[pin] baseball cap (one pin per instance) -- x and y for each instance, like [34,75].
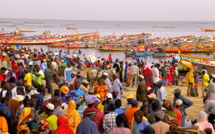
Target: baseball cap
[19,98]
[152,96]
[177,91]
[115,91]
[134,102]
[109,95]
[130,96]
[85,81]
[33,92]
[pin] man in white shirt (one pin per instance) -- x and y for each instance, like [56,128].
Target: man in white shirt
[134,74]
[161,93]
[107,82]
[155,76]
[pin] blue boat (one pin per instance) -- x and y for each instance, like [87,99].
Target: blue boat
[139,54]
[149,52]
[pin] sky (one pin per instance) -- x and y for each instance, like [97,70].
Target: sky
[113,10]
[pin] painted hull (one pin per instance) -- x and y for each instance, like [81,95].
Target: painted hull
[139,54]
[115,48]
[149,52]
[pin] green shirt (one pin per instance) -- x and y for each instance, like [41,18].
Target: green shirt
[52,120]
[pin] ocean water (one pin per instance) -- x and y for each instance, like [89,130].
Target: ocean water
[182,28]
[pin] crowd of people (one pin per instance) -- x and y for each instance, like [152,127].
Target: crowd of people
[38,96]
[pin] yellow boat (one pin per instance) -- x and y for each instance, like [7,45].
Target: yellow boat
[71,28]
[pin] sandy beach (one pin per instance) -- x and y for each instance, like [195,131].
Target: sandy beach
[192,112]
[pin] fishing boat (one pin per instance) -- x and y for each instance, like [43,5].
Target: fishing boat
[149,52]
[139,54]
[163,27]
[5,22]
[207,30]
[208,63]
[58,45]
[72,46]
[161,55]
[33,22]
[124,25]
[115,48]
[21,30]
[71,28]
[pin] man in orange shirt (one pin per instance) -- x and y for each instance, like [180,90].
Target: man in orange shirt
[129,113]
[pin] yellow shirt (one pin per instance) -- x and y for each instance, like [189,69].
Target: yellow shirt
[205,79]
[28,79]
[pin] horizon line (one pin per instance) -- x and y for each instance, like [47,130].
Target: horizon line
[116,20]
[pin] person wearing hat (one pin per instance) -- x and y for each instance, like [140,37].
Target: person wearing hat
[117,85]
[141,89]
[128,104]
[106,103]
[129,113]
[160,127]
[33,101]
[151,98]
[84,86]
[186,103]
[87,125]
[161,93]
[57,102]
[52,119]
[107,82]
[93,103]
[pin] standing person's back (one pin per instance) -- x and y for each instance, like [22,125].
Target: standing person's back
[186,103]
[141,89]
[87,125]
[129,113]
[155,76]
[160,127]
[134,74]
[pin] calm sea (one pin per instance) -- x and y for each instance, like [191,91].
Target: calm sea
[109,28]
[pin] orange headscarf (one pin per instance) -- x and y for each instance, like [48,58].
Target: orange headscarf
[3,124]
[64,90]
[72,115]
[24,114]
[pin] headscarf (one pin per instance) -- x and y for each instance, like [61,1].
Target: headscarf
[24,114]
[72,115]
[63,126]
[202,116]
[3,124]
[13,105]
[147,66]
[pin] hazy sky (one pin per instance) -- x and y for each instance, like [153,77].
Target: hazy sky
[132,10]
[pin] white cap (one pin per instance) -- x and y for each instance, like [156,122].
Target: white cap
[50,106]
[33,92]
[105,74]
[19,98]
[31,63]
[109,95]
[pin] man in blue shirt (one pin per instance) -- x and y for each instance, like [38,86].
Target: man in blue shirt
[139,124]
[79,93]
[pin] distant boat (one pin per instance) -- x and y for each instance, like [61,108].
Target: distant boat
[67,24]
[207,30]
[5,22]
[163,27]
[33,22]
[124,25]
[71,28]
[21,30]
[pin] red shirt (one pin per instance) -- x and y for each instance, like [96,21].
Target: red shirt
[99,116]
[110,58]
